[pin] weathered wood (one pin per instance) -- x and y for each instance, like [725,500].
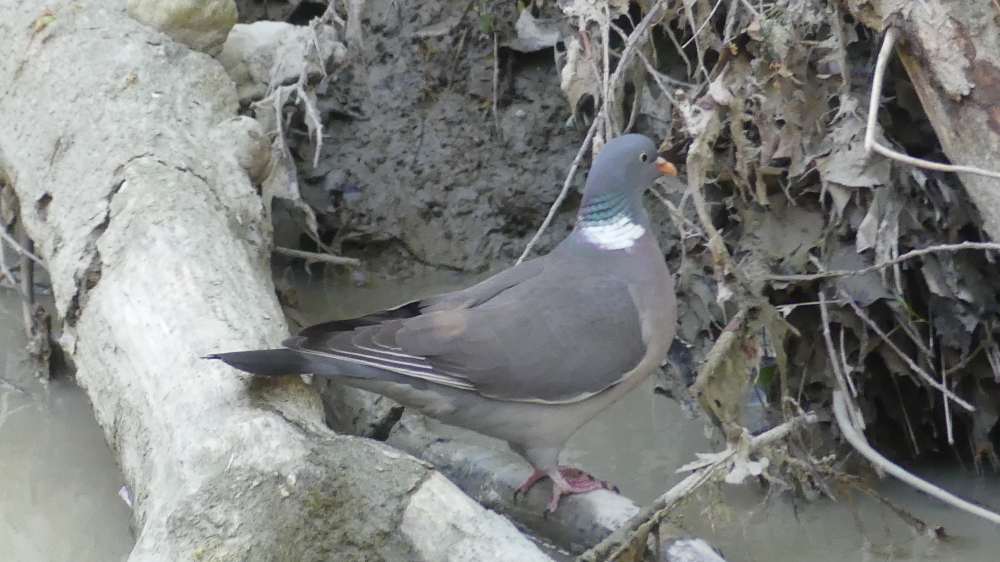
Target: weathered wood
[121,146]
[951,51]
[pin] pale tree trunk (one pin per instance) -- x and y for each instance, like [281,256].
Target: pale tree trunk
[124,152]
[951,51]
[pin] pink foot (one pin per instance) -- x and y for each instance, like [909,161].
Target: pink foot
[567,480]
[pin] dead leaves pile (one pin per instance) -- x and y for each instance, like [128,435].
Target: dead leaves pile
[765,101]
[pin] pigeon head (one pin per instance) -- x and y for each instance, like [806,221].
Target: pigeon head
[611,216]
[627,165]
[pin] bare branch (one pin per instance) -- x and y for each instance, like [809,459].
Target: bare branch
[17,247]
[565,189]
[873,456]
[872,146]
[639,526]
[316,257]
[906,358]
[939,248]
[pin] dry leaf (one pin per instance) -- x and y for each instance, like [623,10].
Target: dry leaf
[578,78]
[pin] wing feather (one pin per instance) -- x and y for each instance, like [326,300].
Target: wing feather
[539,334]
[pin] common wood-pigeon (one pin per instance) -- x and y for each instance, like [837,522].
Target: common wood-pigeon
[532,353]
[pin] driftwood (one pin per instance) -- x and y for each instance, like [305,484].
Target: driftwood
[948,48]
[491,476]
[119,144]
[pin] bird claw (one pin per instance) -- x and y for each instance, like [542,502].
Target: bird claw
[521,490]
[571,481]
[575,476]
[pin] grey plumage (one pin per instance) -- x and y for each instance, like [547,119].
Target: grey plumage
[532,353]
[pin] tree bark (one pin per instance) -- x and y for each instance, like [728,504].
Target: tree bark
[125,154]
[951,51]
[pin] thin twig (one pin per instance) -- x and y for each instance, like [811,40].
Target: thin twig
[943,248]
[904,324]
[845,382]
[906,415]
[694,36]
[17,247]
[873,456]
[679,50]
[635,41]
[639,526]
[750,7]
[948,424]
[918,525]
[677,215]
[6,273]
[28,290]
[872,146]
[316,257]
[565,190]
[906,358]
[659,80]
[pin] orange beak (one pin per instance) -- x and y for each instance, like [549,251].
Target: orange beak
[665,166]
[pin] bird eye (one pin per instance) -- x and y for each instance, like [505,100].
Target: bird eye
[644,157]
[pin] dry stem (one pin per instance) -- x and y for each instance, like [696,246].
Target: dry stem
[872,146]
[845,382]
[943,248]
[906,359]
[639,527]
[17,247]
[860,445]
[316,257]
[565,189]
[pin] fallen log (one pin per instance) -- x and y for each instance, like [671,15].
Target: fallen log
[131,172]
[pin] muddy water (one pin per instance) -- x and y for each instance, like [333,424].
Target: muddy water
[639,442]
[58,481]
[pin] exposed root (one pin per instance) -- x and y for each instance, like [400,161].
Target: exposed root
[19,249]
[316,257]
[938,248]
[859,443]
[872,146]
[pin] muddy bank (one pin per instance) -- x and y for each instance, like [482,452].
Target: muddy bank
[418,168]
[443,149]
[765,108]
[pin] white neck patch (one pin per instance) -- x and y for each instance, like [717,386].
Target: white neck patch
[619,233]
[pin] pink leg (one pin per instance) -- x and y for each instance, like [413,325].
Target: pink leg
[567,480]
[536,475]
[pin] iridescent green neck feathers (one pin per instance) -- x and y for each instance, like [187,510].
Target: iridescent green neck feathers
[610,221]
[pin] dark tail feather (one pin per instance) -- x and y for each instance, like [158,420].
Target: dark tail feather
[266,362]
[408,310]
